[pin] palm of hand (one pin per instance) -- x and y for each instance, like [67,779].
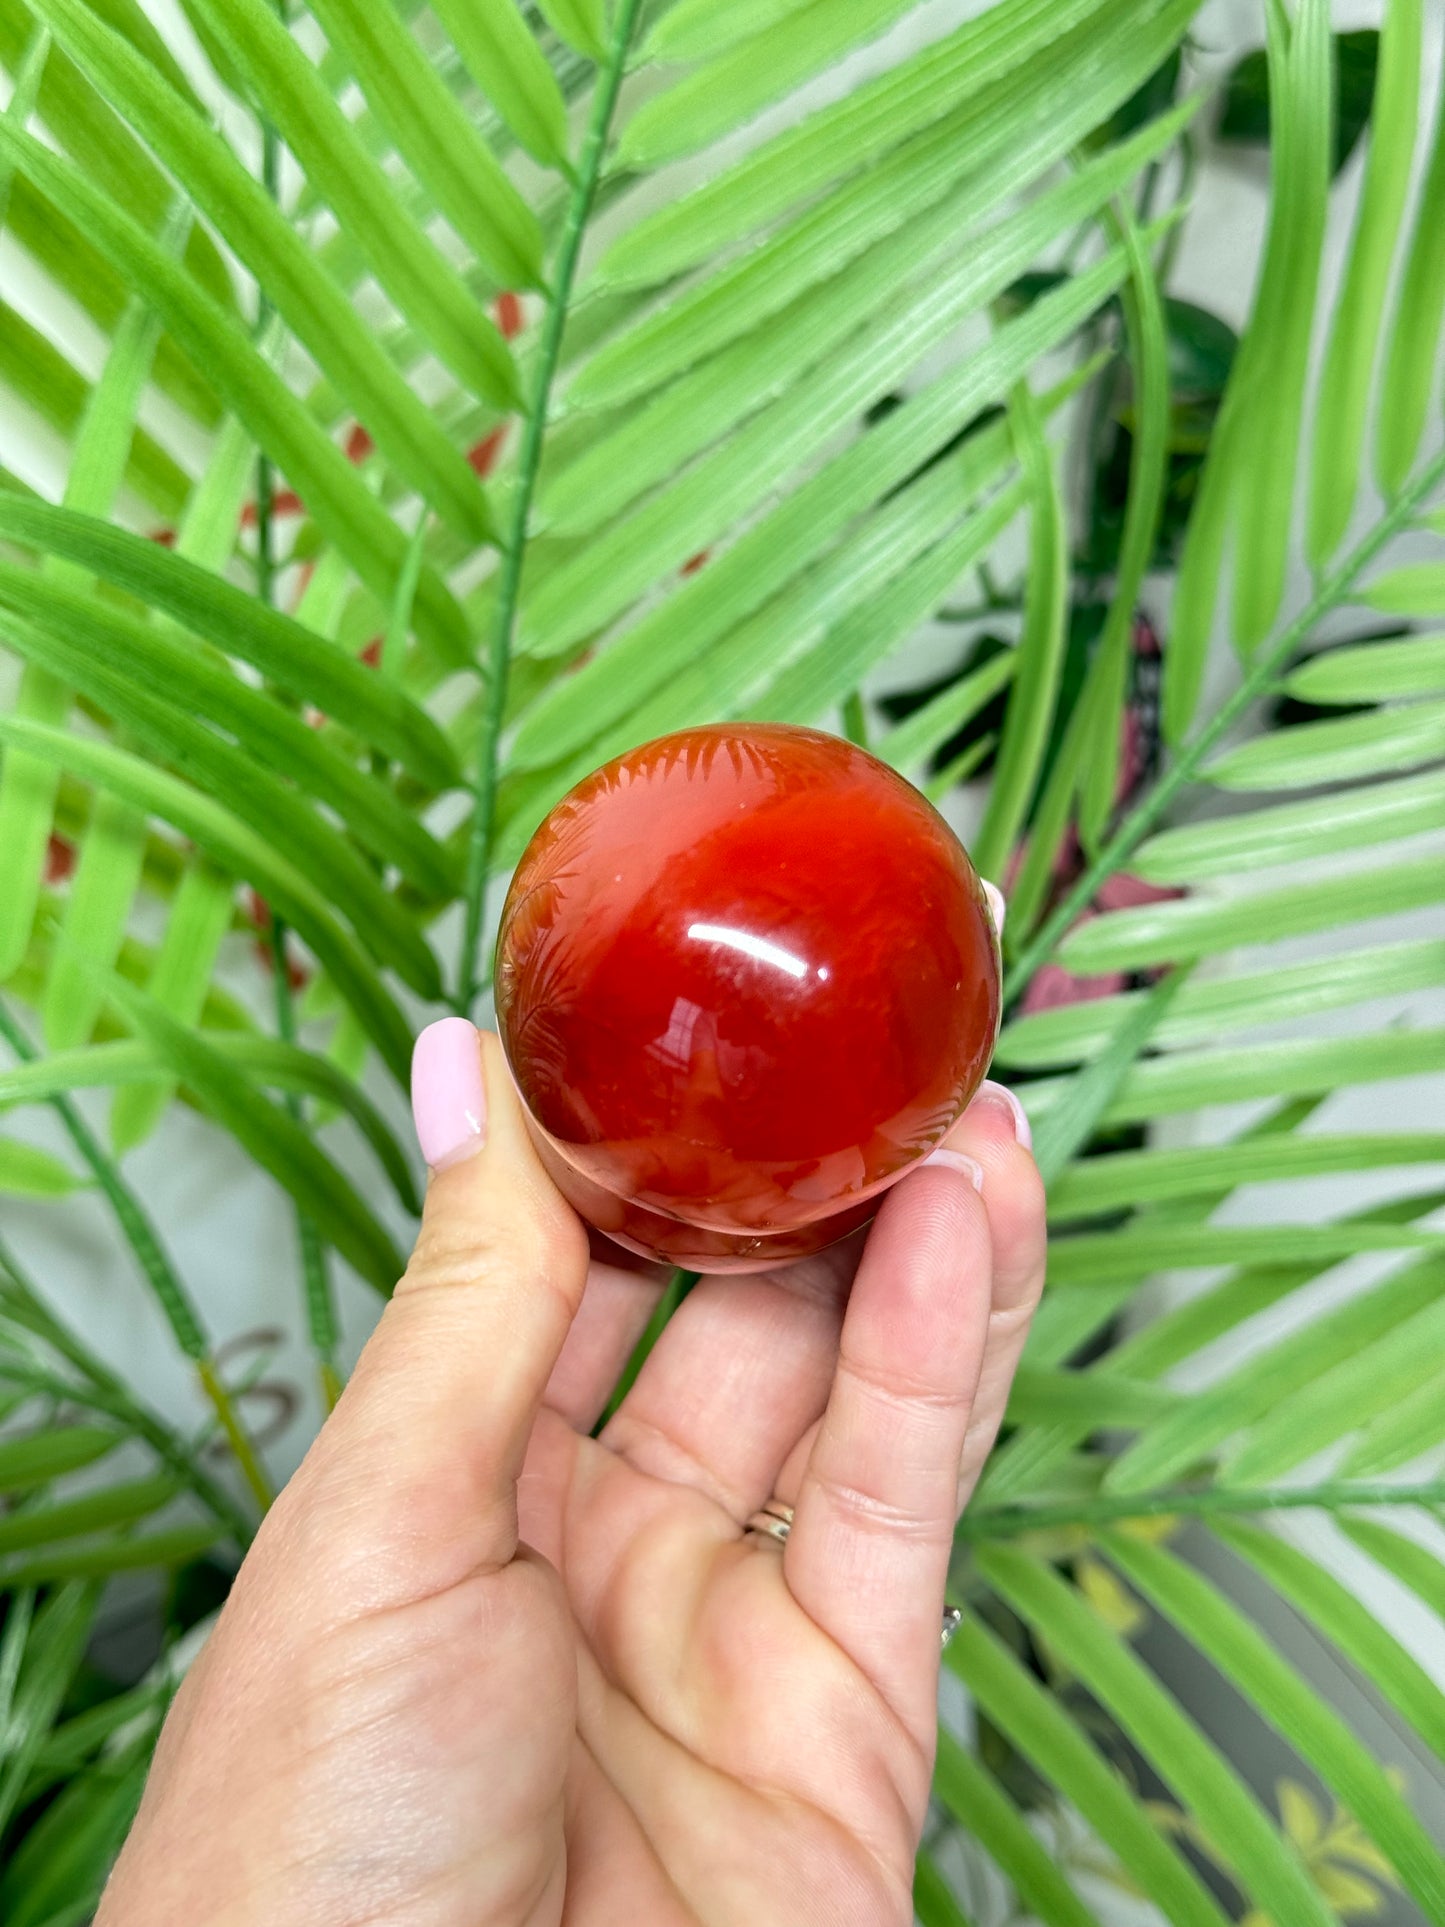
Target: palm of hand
[731,1762]
[732,1765]
[738,1758]
[482,1669]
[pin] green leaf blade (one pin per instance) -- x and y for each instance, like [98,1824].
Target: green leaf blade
[839,140]
[1036,676]
[1268,1867]
[136,670]
[249,221]
[1320,1597]
[580,23]
[1192,927]
[1186,1438]
[226,775]
[276,1142]
[1340,1400]
[1373,672]
[1410,364]
[1349,366]
[282,649]
[1251,1663]
[1325,824]
[111,1506]
[511,70]
[1281,327]
[39,1457]
[438,140]
[127,1064]
[1053,1742]
[977,1802]
[234,846]
[184,964]
[739,82]
[425,288]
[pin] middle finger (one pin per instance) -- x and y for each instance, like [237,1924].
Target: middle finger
[739,1372]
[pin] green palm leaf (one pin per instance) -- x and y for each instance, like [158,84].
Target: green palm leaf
[1206,1010]
[95,137]
[282,649]
[739,81]
[1412,1564]
[1340,1616]
[1250,1663]
[839,140]
[409,266]
[223,773]
[234,845]
[334,493]
[1183,1439]
[977,1802]
[1045,1734]
[1410,1427]
[1268,1868]
[510,68]
[1347,375]
[38,1457]
[1283,319]
[450,160]
[315,309]
[1409,370]
[264,1060]
[1040,650]
[1194,927]
[275,1140]
[135,670]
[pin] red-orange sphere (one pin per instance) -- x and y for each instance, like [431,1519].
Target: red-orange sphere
[746,976]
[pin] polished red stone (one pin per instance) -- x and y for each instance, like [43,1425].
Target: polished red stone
[746,976]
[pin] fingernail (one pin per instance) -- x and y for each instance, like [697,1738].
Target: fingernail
[997,905]
[1001,1098]
[946,1159]
[448,1097]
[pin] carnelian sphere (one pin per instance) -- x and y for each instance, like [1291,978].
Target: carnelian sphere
[746,975]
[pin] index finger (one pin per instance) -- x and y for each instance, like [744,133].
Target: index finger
[413,1478]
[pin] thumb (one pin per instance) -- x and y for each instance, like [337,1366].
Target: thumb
[413,1479]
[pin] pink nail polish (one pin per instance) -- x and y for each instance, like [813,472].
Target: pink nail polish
[947,1159]
[1003,1099]
[448,1097]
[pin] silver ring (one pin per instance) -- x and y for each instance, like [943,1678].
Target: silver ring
[775,1520]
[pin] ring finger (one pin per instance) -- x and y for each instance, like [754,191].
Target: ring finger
[739,1372]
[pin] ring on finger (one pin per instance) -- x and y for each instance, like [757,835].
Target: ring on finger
[775,1521]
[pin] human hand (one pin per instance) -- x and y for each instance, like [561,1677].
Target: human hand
[481,1670]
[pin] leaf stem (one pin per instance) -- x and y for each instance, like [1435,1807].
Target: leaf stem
[315,1283]
[106,1393]
[678,1286]
[1267,661]
[165,1283]
[499,654]
[855,719]
[1009,1521]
